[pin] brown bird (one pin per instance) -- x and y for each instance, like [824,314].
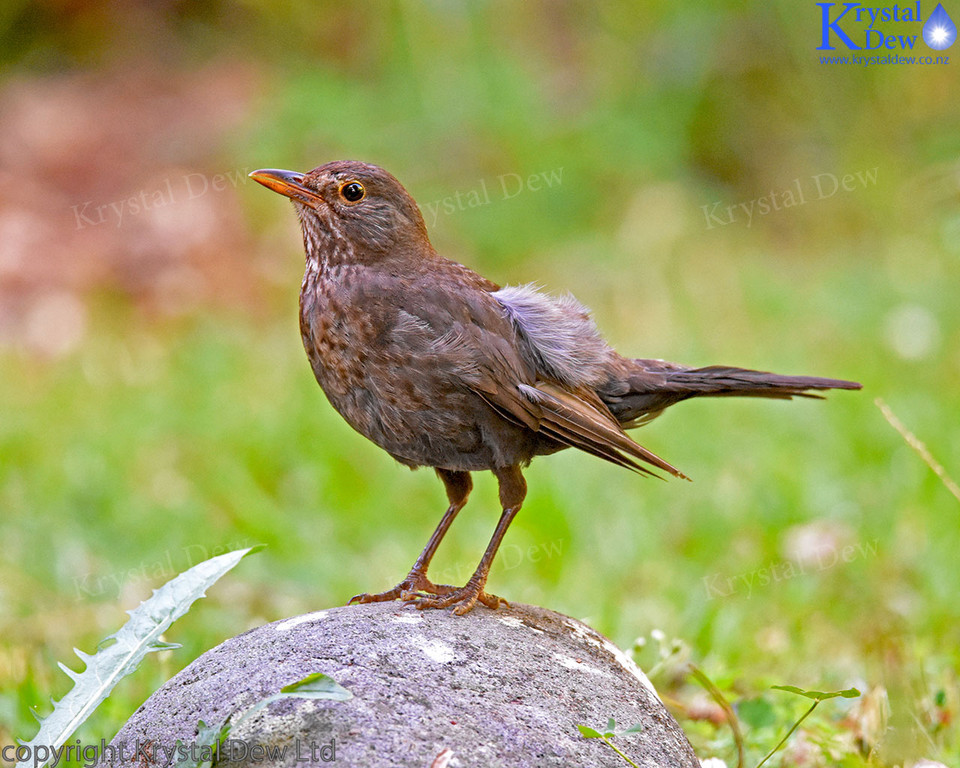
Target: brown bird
[443,368]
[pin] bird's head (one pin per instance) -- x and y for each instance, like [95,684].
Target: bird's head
[350,210]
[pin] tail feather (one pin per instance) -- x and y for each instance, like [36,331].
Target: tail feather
[718,380]
[647,387]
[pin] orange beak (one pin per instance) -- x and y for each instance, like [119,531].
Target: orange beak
[287,183]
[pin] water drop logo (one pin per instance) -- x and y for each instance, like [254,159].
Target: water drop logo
[939,33]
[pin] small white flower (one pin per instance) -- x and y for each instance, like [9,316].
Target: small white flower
[713,762]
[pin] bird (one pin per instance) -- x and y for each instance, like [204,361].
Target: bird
[443,368]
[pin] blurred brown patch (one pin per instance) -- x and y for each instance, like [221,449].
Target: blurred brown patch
[106,184]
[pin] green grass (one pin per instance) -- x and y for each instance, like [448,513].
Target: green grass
[154,445]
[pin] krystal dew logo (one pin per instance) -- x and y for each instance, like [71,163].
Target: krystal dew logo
[860,27]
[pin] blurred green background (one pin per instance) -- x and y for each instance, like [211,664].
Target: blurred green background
[156,406]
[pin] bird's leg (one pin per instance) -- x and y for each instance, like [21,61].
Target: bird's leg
[458,485]
[513,489]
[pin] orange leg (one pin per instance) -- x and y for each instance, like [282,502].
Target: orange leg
[513,489]
[458,485]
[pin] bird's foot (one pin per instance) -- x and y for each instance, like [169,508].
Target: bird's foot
[463,599]
[411,588]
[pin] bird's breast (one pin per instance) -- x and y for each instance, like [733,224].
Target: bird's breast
[348,323]
[338,333]
[402,371]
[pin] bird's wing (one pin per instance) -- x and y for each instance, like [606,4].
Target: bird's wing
[559,343]
[477,344]
[579,419]
[575,417]
[496,375]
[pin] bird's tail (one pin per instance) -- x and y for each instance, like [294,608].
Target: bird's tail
[719,380]
[652,385]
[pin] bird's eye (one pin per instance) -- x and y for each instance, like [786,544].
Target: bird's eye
[352,191]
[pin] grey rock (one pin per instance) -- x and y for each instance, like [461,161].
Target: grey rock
[497,688]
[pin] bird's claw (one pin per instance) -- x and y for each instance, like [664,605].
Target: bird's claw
[412,588]
[379,597]
[464,599]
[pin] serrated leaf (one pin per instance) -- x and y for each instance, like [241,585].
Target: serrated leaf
[121,653]
[163,645]
[588,732]
[67,671]
[847,693]
[317,686]
[314,686]
[207,737]
[206,734]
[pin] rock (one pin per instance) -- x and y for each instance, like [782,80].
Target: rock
[497,688]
